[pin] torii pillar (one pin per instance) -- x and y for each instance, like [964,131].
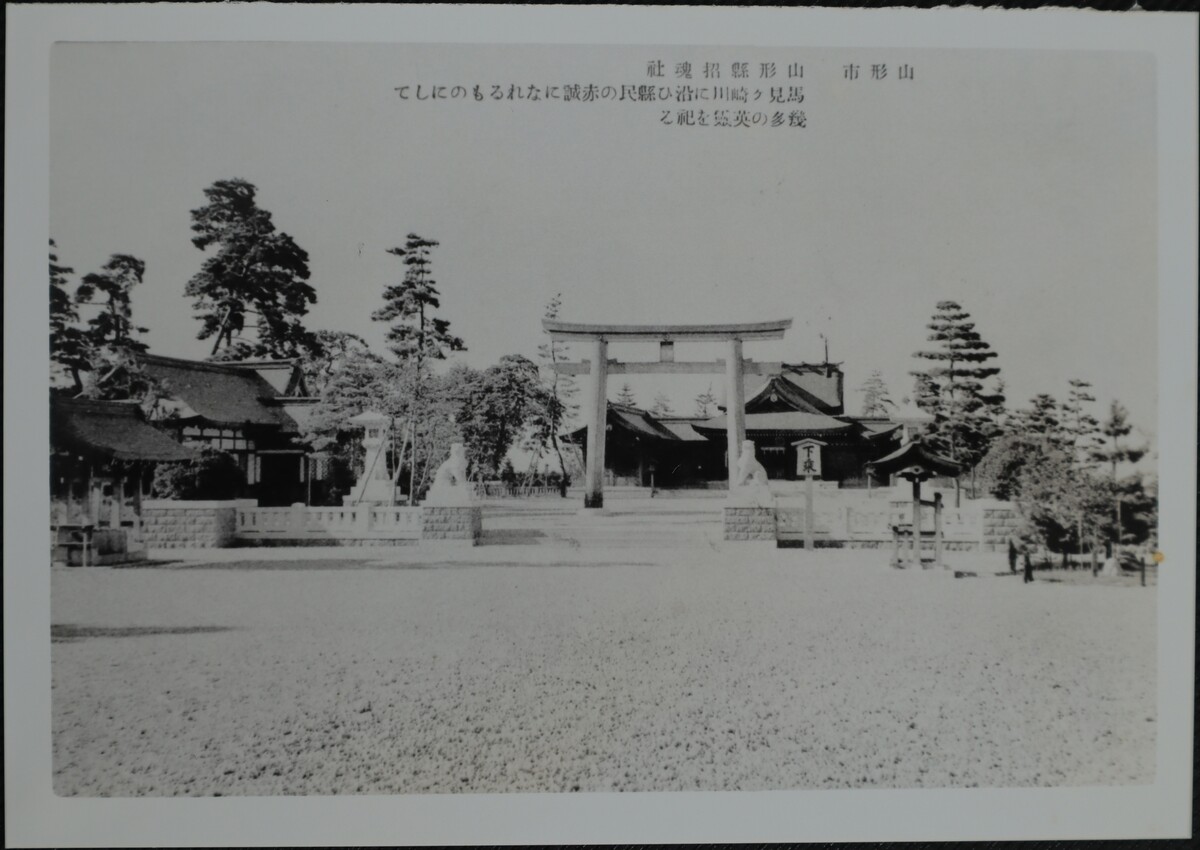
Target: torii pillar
[599,367]
[593,494]
[735,406]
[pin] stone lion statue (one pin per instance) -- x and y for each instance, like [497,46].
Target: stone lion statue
[453,471]
[750,483]
[750,473]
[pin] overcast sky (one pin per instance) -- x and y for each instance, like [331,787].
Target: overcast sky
[1020,184]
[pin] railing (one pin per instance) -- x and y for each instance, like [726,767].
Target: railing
[850,523]
[504,490]
[301,522]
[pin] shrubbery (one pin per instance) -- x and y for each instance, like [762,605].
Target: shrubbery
[213,475]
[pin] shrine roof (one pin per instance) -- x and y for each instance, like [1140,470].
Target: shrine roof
[684,429]
[230,394]
[915,454]
[801,387]
[113,429]
[798,422]
[638,422]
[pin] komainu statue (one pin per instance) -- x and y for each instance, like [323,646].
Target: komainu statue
[750,483]
[450,485]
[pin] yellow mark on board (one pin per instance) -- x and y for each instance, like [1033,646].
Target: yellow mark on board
[1159,557]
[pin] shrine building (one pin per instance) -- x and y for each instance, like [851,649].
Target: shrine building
[799,401]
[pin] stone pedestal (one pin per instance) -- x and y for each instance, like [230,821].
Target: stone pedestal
[451,523]
[750,523]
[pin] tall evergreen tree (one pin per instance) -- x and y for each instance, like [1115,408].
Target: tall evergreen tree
[876,399]
[662,405]
[1080,427]
[559,390]
[110,336]
[255,270]
[110,291]
[625,395]
[1116,427]
[706,402]
[415,335]
[67,341]
[958,388]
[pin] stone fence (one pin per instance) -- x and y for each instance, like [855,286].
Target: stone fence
[167,524]
[982,524]
[179,524]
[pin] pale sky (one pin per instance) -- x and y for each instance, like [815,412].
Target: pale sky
[1019,183]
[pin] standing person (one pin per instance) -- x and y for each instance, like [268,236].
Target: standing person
[1028,567]
[1012,553]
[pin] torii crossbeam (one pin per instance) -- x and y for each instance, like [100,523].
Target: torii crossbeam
[598,367]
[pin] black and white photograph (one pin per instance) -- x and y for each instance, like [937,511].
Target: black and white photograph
[445,420]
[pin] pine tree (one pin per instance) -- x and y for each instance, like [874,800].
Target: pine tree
[110,338]
[109,290]
[876,399]
[1116,427]
[559,390]
[416,335]
[625,396]
[1080,427]
[255,270]
[67,341]
[955,391]
[662,405]
[706,402]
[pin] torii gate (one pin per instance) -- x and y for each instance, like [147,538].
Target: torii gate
[599,367]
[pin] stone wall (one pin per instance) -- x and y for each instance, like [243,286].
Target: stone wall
[749,523]
[1000,519]
[451,522]
[185,525]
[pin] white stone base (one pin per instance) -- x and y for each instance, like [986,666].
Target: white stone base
[750,523]
[451,524]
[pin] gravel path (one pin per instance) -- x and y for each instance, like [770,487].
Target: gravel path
[799,671]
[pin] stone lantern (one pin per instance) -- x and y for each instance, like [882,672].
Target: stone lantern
[375,485]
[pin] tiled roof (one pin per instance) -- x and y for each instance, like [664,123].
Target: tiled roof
[915,455]
[219,393]
[112,429]
[638,422]
[796,421]
[807,389]
[632,420]
[683,429]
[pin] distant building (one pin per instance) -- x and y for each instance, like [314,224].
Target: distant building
[254,410]
[102,460]
[803,401]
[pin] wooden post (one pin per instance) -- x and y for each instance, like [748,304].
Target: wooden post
[937,530]
[735,406]
[808,514]
[118,501]
[916,522]
[593,496]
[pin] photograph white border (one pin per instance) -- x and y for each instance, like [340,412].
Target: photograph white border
[35,817]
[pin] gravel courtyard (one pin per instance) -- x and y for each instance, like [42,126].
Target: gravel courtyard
[512,670]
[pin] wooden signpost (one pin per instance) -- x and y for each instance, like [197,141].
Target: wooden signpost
[808,464]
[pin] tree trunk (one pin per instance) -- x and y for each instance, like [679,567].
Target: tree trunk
[562,466]
[412,466]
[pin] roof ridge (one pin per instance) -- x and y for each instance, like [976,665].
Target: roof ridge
[209,365]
